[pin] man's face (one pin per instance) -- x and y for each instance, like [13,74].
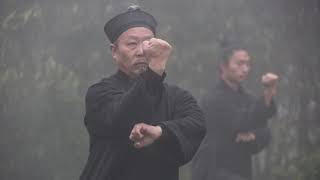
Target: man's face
[128,52]
[237,68]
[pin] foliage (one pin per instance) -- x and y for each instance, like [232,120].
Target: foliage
[52,51]
[305,167]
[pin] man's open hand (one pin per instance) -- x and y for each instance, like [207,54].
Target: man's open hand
[245,137]
[144,135]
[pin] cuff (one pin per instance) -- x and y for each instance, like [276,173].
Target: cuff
[152,77]
[268,111]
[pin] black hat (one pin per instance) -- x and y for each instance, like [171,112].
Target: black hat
[133,17]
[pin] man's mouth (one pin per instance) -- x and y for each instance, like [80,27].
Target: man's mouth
[144,63]
[243,77]
[141,64]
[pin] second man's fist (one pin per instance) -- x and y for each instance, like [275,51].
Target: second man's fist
[269,80]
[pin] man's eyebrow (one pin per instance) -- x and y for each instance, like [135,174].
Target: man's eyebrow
[132,37]
[135,37]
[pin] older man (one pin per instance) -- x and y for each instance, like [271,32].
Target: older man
[140,127]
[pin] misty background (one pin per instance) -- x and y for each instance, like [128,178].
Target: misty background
[52,51]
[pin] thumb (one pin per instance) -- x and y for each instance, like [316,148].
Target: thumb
[145,44]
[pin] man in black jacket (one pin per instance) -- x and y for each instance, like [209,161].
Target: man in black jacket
[236,121]
[140,128]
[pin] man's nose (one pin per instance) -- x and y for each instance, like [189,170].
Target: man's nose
[246,68]
[140,49]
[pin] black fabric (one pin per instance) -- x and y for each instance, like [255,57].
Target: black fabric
[223,174]
[129,19]
[115,104]
[229,112]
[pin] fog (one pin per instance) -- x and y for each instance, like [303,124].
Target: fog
[52,51]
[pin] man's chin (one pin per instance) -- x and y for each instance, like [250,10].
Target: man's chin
[242,78]
[140,70]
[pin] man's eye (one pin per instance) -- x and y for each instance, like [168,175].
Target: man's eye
[132,44]
[243,63]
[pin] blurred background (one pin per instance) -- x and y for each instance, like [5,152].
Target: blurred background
[51,51]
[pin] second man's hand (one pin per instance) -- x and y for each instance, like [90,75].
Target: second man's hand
[245,137]
[269,81]
[144,135]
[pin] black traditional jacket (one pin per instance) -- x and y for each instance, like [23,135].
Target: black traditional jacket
[116,104]
[229,112]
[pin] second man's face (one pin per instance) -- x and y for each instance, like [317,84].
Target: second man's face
[128,52]
[238,66]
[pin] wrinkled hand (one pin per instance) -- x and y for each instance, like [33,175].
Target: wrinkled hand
[269,82]
[245,137]
[157,51]
[144,135]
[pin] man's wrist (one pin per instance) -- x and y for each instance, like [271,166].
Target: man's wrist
[158,131]
[157,68]
[268,94]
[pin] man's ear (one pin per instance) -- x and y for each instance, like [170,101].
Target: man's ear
[113,48]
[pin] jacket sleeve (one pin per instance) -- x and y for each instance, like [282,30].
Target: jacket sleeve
[187,128]
[112,111]
[233,121]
